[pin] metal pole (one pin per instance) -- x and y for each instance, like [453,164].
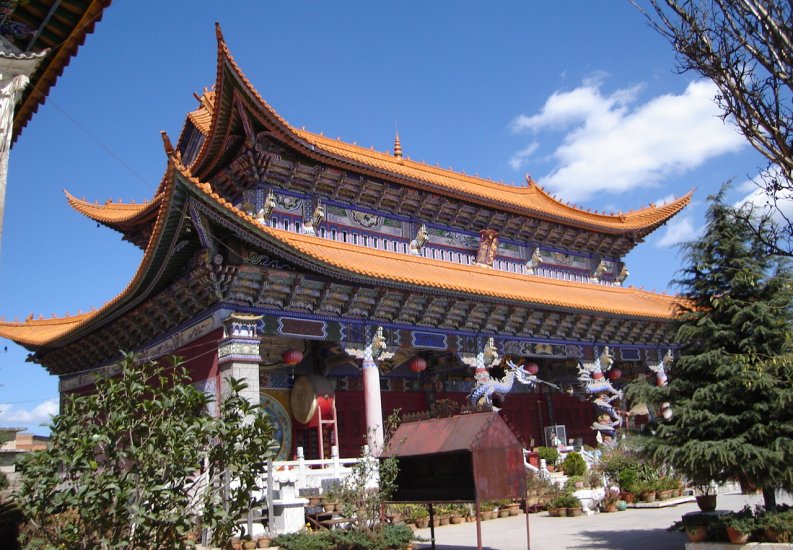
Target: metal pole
[432,527]
[528,534]
[478,525]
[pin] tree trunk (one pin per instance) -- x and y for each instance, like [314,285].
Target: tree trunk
[769,496]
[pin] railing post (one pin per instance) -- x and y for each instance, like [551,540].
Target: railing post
[301,468]
[334,454]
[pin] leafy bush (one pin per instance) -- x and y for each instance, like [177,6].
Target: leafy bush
[781,522]
[628,480]
[141,461]
[549,454]
[574,465]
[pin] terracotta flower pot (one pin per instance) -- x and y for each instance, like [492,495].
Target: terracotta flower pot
[630,498]
[574,512]
[697,533]
[456,519]
[647,497]
[771,534]
[444,520]
[422,523]
[503,512]
[737,537]
[264,542]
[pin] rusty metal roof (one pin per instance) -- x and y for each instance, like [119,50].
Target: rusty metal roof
[473,432]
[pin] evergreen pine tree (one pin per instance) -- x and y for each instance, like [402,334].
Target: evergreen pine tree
[731,386]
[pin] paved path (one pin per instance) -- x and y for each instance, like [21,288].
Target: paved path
[633,529]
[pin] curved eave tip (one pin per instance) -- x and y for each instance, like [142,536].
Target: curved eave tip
[166,142]
[219,32]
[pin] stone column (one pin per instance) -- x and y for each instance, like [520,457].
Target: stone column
[15,71]
[238,355]
[373,404]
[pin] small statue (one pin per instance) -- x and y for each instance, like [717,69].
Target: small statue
[535,261]
[310,226]
[418,243]
[622,276]
[267,207]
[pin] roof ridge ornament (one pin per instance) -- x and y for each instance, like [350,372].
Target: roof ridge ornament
[397,146]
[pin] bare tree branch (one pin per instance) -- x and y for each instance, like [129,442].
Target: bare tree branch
[746,48]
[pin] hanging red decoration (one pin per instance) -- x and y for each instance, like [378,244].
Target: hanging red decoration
[417,364]
[292,357]
[615,373]
[532,368]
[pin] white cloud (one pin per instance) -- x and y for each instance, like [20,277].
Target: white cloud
[678,231]
[613,145]
[762,203]
[520,158]
[665,200]
[42,414]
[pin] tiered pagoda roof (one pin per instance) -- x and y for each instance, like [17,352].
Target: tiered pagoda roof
[175,279]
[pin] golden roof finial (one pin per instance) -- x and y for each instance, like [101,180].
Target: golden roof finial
[397,146]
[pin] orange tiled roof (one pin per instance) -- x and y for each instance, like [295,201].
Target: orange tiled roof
[113,213]
[43,332]
[63,27]
[469,279]
[532,198]
[375,265]
[529,200]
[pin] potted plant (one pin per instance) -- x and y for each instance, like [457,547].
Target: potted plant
[572,505]
[574,465]
[777,527]
[696,525]
[557,507]
[740,525]
[264,540]
[550,455]
[609,502]
[422,516]
[705,496]
[628,480]
[646,491]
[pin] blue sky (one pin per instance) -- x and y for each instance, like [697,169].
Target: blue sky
[581,95]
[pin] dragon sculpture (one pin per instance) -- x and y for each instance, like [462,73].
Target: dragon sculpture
[660,379]
[596,384]
[482,394]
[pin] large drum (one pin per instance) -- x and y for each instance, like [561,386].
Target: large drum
[309,394]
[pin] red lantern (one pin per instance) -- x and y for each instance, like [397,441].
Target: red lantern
[417,365]
[292,357]
[532,368]
[615,373]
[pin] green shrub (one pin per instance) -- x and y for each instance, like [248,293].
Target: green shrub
[390,537]
[574,465]
[565,501]
[549,454]
[628,480]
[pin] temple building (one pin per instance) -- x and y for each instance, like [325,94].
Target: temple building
[341,283]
